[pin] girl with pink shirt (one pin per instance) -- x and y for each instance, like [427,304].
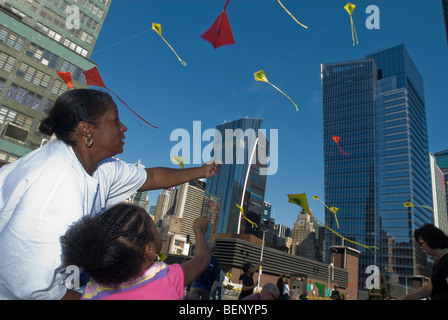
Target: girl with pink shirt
[119,250]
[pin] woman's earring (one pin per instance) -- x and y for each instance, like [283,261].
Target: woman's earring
[89,141]
[156,257]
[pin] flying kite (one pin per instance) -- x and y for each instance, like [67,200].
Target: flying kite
[336,139]
[93,78]
[219,34]
[291,15]
[300,200]
[67,77]
[350,7]
[332,209]
[157,27]
[408,204]
[179,160]
[260,76]
[242,213]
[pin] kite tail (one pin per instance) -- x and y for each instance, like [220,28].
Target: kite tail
[339,235]
[336,218]
[342,151]
[226,4]
[354,35]
[297,109]
[181,61]
[292,15]
[242,213]
[129,108]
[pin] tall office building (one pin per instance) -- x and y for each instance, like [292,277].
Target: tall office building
[239,181]
[442,162]
[186,202]
[38,38]
[376,106]
[304,240]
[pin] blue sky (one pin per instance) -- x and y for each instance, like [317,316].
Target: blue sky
[218,85]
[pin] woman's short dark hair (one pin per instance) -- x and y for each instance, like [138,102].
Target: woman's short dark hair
[110,247]
[72,107]
[433,236]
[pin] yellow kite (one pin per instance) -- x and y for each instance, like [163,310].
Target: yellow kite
[158,28]
[291,15]
[300,200]
[332,209]
[408,204]
[179,160]
[260,76]
[350,7]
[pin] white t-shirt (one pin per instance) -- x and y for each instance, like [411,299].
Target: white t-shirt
[41,195]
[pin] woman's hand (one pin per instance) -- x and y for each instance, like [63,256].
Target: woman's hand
[210,169]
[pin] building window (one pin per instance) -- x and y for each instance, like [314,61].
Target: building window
[15,117]
[24,96]
[33,75]
[59,87]
[6,61]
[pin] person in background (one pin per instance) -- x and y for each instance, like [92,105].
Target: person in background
[382,293]
[435,243]
[218,291]
[206,284]
[335,294]
[248,284]
[119,250]
[72,176]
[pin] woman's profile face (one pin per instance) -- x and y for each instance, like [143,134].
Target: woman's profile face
[108,135]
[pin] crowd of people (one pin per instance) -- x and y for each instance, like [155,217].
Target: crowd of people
[62,205]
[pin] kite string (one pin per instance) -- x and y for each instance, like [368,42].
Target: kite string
[121,41]
[129,108]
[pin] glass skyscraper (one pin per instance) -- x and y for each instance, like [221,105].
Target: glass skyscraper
[376,107]
[243,149]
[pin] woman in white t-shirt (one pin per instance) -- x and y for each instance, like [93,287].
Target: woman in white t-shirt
[47,190]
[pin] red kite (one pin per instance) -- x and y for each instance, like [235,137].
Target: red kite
[67,77]
[93,78]
[219,34]
[336,139]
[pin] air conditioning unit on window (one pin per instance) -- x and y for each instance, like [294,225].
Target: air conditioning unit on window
[15,132]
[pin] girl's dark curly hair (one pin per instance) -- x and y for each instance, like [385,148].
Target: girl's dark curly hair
[110,247]
[434,237]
